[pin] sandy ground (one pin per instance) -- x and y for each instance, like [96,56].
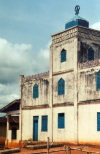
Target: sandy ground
[85,148]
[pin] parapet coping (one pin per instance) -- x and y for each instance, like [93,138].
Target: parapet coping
[36,76]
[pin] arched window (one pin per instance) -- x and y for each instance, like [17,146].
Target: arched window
[63,55]
[35,91]
[98,81]
[90,54]
[61,87]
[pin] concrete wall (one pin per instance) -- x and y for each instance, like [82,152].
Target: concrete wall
[87,124]
[68,97]
[27,124]
[65,134]
[9,135]
[68,64]
[87,85]
[27,92]
[87,70]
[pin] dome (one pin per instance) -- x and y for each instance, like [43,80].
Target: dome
[77,20]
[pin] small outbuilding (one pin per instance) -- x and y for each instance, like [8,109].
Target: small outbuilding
[10,123]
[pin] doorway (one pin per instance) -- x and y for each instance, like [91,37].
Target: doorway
[35,128]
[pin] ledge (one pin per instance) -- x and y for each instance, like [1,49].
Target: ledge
[35,107]
[95,101]
[63,104]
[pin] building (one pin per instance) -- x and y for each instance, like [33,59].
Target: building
[64,103]
[9,125]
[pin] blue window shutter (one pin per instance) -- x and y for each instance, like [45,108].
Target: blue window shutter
[63,55]
[98,121]
[61,87]
[98,81]
[44,123]
[35,91]
[61,120]
[90,54]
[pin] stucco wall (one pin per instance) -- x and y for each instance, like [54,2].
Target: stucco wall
[87,124]
[68,64]
[87,69]
[87,85]
[27,124]
[66,134]
[27,92]
[68,97]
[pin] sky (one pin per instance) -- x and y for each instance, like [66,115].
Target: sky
[26,27]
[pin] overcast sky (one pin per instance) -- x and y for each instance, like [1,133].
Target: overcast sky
[25,35]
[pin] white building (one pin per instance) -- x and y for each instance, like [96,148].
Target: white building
[64,103]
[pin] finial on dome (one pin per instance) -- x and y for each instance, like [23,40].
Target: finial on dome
[77,8]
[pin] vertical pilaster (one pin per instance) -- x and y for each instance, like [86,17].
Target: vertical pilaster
[76,91]
[51,90]
[20,116]
[7,133]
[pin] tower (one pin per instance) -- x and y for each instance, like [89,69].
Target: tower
[74,58]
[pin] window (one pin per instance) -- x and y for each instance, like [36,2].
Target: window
[61,87]
[98,121]
[44,123]
[98,81]
[90,54]
[35,91]
[63,55]
[61,120]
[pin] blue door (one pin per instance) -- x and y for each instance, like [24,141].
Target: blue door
[35,128]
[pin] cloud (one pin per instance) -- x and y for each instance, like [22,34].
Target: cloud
[96,26]
[15,60]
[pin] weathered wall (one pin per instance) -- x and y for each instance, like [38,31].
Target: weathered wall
[69,46]
[87,85]
[68,97]
[87,70]
[27,92]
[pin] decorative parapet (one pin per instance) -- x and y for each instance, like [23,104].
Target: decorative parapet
[64,35]
[36,76]
[89,64]
[76,31]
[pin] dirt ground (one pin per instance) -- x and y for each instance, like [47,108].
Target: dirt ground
[85,149]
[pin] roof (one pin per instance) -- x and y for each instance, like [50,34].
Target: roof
[77,21]
[14,105]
